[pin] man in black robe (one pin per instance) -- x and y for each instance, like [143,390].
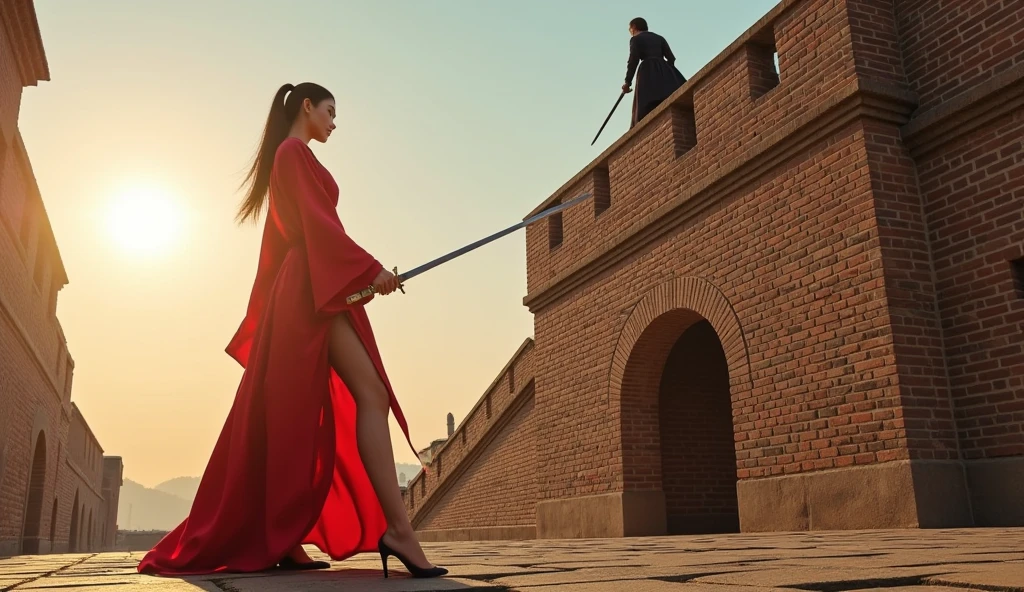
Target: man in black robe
[653,63]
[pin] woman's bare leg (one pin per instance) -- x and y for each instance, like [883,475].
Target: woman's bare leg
[354,366]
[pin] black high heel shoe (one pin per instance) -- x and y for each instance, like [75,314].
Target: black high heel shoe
[415,570]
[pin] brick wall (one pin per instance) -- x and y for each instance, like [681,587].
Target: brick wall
[950,45]
[911,297]
[35,366]
[790,239]
[807,284]
[485,474]
[974,188]
[499,487]
[723,102]
[84,450]
[88,511]
[875,38]
[966,60]
[774,249]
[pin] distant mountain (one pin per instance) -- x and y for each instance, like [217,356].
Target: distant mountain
[164,506]
[183,487]
[142,508]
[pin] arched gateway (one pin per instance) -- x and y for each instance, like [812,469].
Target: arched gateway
[679,359]
[31,534]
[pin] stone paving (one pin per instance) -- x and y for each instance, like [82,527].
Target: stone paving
[991,560]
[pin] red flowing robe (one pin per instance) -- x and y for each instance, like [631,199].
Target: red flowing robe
[286,469]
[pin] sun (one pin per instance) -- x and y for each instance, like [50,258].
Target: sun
[145,221]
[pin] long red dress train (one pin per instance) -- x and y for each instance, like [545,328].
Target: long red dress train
[285,469]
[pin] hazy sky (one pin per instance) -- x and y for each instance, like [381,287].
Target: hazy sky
[456,118]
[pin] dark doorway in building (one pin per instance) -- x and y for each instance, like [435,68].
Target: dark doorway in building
[698,458]
[73,536]
[30,537]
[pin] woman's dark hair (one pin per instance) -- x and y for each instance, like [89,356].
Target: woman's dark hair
[639,24]
[279,124]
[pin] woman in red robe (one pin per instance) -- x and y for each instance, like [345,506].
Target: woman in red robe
[305,453]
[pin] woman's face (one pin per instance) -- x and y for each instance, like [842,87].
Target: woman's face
[320,119]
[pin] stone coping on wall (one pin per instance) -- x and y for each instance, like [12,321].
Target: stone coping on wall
[18,17]
[504,395]
[958,116]
[859,98]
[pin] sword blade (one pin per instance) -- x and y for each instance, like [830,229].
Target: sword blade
[614,107]
[475,245]
[472,246]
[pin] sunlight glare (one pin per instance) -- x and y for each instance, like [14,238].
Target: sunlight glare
[145,221]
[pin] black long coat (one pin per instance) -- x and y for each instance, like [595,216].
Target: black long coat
[651,59]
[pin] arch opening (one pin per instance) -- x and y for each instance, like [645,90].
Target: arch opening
[53,524]
[73,536]
[677,426]
[80,539]
[698,456]
[30,538]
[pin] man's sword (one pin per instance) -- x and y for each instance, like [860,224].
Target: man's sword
[462,251]
[609,116]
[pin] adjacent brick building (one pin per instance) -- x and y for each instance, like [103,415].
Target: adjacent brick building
[51,466]
[795,300]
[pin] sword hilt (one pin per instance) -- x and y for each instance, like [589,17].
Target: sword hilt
[370,290]
[401,286]
[366,293]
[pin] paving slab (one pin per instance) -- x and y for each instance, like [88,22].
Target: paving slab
[644,586]
[83,581]
[350,579]
[490,572]
[914,589]
[983,560]
[164,586]
[625,576]
[812,578]
[1008,577]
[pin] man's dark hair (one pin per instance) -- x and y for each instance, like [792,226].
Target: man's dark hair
[639,24]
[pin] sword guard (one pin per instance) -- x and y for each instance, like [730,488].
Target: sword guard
[401,286]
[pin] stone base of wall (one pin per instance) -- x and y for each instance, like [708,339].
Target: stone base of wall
[904,494]
[997,491]
[9,547]
[486,533]
[624,513]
